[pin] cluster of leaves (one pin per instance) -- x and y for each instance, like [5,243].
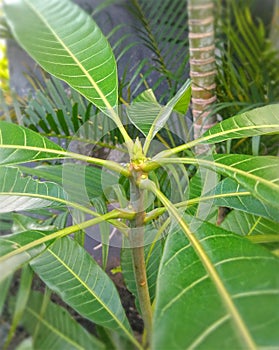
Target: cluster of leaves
[203,279]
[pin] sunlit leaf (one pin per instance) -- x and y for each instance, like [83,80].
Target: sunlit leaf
[67,44]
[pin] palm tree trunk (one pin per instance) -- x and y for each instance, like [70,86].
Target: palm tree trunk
[202,62]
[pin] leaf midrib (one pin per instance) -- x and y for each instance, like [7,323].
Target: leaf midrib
[88,76]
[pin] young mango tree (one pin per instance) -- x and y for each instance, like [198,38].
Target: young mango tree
[196,284]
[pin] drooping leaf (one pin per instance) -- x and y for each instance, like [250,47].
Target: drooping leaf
[67,43]
[190,312]
[19,145]
[80,281]
[11,256]
[55,328]
[19,193]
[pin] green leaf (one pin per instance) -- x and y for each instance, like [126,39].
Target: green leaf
[19,193]
[56,328]
[143,111]
[82,284]
[190,311]
[228,193]
[247,224]
[149,116]
[258,174]
[67,43]
[22,296]
[180,102]
[4,287]
[19,145]
[15,251]
[259,121]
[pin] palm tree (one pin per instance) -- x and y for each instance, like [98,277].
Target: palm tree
[202,62]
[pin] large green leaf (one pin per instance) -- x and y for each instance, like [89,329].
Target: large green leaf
[19,145]
[190,310]
[258,174]
[54,328]
[23,193]
[72,273]
[67,43]
[15,250]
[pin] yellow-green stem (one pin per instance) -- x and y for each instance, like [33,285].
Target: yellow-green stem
[139,266]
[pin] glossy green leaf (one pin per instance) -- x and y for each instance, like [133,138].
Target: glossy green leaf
[258,121]
[22,223]
[15,250]
[191,312]
[19,145]
[67,43]
[54,328]
[247,224]
[19,193]
[82,284]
